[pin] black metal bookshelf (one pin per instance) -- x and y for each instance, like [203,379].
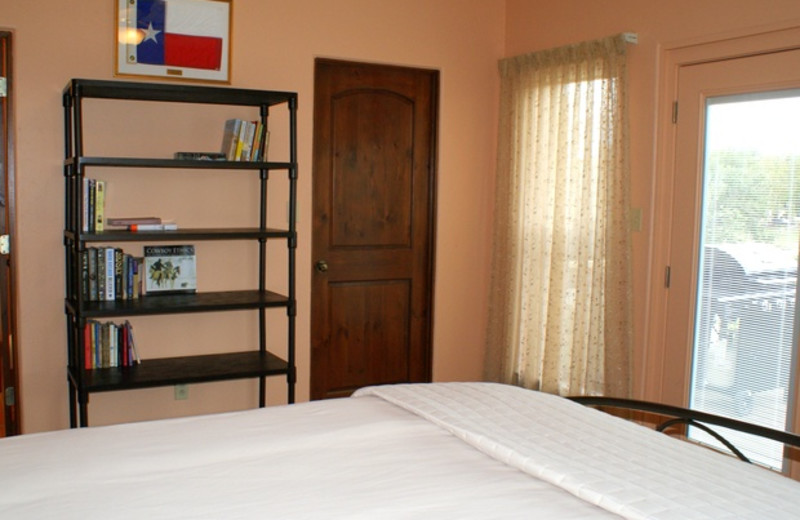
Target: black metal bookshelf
[255,362]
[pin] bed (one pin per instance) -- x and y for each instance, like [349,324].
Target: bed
[437,451]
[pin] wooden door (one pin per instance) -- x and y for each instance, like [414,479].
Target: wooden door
[9,419]
[374,177]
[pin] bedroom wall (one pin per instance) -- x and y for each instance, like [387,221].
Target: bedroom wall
[539,25]
[274,46]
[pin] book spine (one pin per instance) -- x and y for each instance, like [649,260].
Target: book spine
[101,273]
[113,350]
[123,351]
[85,207]
[137,277]
[94,340]
[111,269]
[241,140]
[99,205]
[249,135]
[92,198]
[118,274]
[84,261]
[135,359]
[229,134]
[87,345]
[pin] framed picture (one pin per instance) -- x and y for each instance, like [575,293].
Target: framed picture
[170,269]
[175,39]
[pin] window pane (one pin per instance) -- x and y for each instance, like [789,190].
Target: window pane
[743,347]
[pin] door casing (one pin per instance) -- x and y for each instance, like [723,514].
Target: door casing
[9,383]
[660,363]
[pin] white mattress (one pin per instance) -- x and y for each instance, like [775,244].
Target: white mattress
[391,452]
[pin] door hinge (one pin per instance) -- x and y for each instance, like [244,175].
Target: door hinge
[3,86]
[667,276]
[674,112]
[5,245]
[11,398]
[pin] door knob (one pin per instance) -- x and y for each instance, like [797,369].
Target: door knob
[321,266]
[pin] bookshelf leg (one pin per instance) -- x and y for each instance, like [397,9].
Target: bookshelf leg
[262,392]
[291,379]
[83,405]
[73,412]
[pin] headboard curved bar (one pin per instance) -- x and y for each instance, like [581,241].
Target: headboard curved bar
[686,420]
[695,418]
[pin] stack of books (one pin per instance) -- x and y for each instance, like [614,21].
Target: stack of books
[141,224]
[94,203]
[109,345]
[108,274]
[245,140]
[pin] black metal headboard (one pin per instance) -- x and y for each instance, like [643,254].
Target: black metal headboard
[702,420]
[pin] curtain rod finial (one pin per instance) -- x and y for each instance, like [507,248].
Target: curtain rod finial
[630,37]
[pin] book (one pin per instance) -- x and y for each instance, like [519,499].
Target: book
[263,147]
[85,224]
[101,273]
[170,269]
[200,156]
[134,358]
[91,202]
[91,254]
[110,273]
[84,259]
[230,138]
[99,204]
[259,131]
[128,221]
[247,140]
[165,226]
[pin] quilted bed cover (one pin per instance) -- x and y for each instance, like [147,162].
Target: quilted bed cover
[435,451]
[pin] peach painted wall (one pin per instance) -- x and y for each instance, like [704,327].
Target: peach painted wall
[539,25]
[274,46]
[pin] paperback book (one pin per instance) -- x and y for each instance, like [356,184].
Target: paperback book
[170,269]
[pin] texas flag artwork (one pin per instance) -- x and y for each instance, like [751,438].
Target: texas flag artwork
[177,37]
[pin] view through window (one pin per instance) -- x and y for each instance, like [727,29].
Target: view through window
[745,323]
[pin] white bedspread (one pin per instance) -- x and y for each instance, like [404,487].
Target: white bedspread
[339,459]
[370,457]
[620,466]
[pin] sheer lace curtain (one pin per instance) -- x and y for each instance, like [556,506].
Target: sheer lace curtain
[560,294]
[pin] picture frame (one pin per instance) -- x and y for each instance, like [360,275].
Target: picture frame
[170,269]
[174,39]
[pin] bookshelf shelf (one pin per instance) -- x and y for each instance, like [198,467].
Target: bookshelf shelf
[181,370]
[179,304]
[258,362]
[123,235]
[144,162]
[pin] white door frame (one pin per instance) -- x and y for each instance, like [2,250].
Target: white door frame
[657,362]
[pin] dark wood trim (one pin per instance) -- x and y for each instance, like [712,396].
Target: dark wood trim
[8,286]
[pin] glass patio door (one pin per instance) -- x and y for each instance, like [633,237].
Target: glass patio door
[731,325]
[743,345]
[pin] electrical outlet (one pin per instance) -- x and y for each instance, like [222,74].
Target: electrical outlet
[181,392]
